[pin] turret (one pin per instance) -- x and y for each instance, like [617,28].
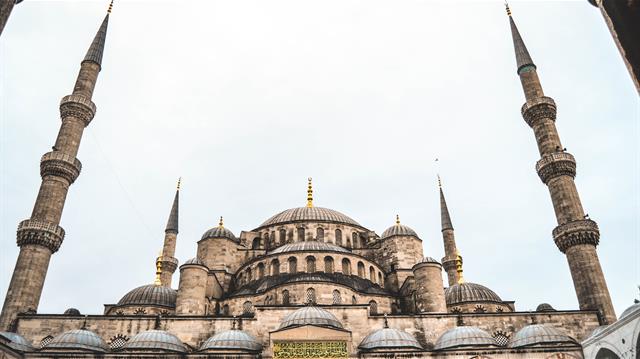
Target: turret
[400,248]
[429,288]
[169,262]
[449,239]
[191,298]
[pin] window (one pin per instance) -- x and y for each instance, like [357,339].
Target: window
[380,279]
[311,296]
[300,234]
[338,237]
[337,298]
[248,274]
[140,311]
[260,270]
[354,300]
[285,297]
[346,266]
[267,240]
[311,264]
[46,340]
[256,243]
[361,270]
[283,236]
[328,265]
[372,274]
[480,309]
[348,242]
[373,307]
[118,341]
[354,236]
[605,353]
[272,241]
[275,267]
[320,234]
[293,265]
[502,339]
[247,308]
[225,310]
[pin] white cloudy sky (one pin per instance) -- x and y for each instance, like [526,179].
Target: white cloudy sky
[247,98]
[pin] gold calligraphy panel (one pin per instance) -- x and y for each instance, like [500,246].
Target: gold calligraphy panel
[310,350]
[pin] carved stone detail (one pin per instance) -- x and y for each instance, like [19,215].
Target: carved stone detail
[538,109]
[77,106]
[60,164]
[584,231]
[43,233]
[556,164]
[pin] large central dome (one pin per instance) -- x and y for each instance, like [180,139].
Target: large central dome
[302,214]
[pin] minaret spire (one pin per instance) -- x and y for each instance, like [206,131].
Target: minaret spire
[41,235]
[451,256]
[576,235]
[168,262]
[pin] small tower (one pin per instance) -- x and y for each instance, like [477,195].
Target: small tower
[429,289]
[41,235]
[400,248]
[576,235]
[192,290]
[169,262]
[448,237]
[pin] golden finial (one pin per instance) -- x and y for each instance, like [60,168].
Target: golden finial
[397,220]
[179,182]
[221,223]
[506,5]
[459,267]
[158,269]
[110,7]
[309,194]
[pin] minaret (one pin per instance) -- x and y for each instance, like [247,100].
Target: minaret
[451,257]
[576,235]
[168,262]
[41,235]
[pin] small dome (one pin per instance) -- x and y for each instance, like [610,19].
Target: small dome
[72,311]
[303,214]
[545,307]
[388,338]
[539,334]
[150,294]
[78,339]
[155,340]
[632,309]
[427,260]
[310,316]
[219,232]
[195,261]
[232,339]
[470,292]
[464,336]
[17,342]
[308,246]
[399,230]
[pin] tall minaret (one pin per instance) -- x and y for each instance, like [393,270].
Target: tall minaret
[451,257]
[576,235]
[168,262]
[40,236]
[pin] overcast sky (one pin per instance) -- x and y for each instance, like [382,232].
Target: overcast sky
[246,99]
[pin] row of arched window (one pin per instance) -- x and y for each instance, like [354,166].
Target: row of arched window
[274,239]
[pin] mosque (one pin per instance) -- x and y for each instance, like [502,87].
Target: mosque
[311,282]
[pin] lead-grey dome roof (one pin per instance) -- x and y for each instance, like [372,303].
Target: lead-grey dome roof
[150,294]
[470,292]
[232,339]
[316,214]
[539,334]
[308,246]
[399,230]
[155,340]
[310,315]
[78,339]
[195,261]
[389,338]
[17,342]
[545,307]
[72,311]
[464,336]
[219,232]
[627,312]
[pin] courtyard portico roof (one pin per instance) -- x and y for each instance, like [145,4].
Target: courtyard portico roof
[16,341]
[389,338]
[310,315]
[536,334]
[232,340]
[464,336]
[78,339]
[155,340]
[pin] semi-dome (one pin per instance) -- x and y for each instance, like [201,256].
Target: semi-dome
[470,292]
[194,261]
[464,336]
[310,315]
[78,339]
[155,340]
[219,232]
[545,307]
[232,340]
[308,246]
[302,214]
[539,334]
[17,341]
[389,338]
[150,294]
[72,311]
[399,230]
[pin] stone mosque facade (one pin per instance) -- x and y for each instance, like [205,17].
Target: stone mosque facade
[311,282]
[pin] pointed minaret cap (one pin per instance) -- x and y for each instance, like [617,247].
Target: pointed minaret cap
[523,59]
[444,211]
[94,54]
[309,193]
[172,223]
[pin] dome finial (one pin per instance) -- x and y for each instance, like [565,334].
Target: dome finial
[439,181]
[179,182]
[158,269]
[459,267]
[309,194]
[506,5]
[397,219]
[110,7]
[221,223]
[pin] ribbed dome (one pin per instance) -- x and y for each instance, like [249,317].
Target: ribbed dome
[155,340]
[195,261]
[464,336]
[539,334]
[389,338]
[232,339]
[310,316]
[150,294]
[316,214]
[632,309]
[545,307]
[17,342]
[78,339]
[399,230]
[219,232]
[72,311]
[470,292]
[427,260]
[308,246]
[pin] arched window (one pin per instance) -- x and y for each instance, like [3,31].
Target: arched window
[372,274]
[337,298]
[267,240]
[247,308]
[311,264]
[272,241]
[225,310]
[354,300]
[275,267]
[300,234]
[328,264]
[361,270]
[293,265]
[248,274]
[373,307]
[354,237]
[256,243]
[348,242]
[605,353]
[346,266]
[480,309]
[320,234]
[283,236]
[380,279]
[285,297]
[260,270]
[311,296]
[338,237]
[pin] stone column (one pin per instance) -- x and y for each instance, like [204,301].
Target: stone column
[429,287]
[191,298]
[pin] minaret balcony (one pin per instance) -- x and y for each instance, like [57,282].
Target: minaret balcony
[556,164]
[79,107]
[168,263]
[538,109]
[60,164]
[39,232]
[583,231]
